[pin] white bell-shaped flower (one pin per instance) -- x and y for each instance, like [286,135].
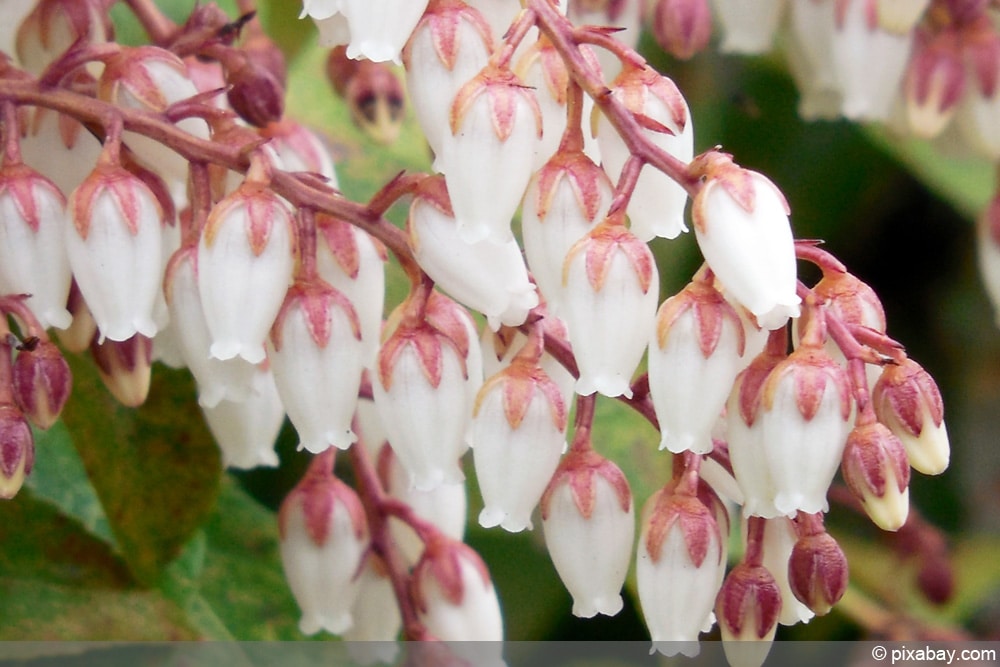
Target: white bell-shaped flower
[811,58]
[315,350]
[908,401]
[487,156]
[377,621]
[217,380]
[805,411]
[589,520]
[246,430]
[449,46]
[33,256]
[565,199]
[748,26]
[744,433]
[53,27]
[868,60]
[518,433]
[609,277]
[677,569]
[454,594]
[324,536]
[422,396]
[485,276]
[445,506]
[300,149]
[779,539]
[113,243]
[151,79]
[623,15]
[694,357]
[244,268]
[59,147]
[657,204]
[380,28]
[741,223]
[354,264]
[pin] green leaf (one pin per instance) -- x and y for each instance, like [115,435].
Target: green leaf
[155,469]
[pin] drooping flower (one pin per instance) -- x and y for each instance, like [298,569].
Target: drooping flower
[246,430]
[908,401]
[877,472]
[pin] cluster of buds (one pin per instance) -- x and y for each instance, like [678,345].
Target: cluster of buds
[209,234]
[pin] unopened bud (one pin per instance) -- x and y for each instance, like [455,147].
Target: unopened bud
[682,27]
[747,610]
[125,367]
[936,579]
[373,93]
[876,470]
[907,400]
[17,450]
[817,572]
[256,94]
[42,382]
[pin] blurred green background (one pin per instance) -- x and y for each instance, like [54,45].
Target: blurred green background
[128,528]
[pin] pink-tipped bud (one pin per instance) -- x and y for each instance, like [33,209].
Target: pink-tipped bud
[125,367]
[907,400]
[682,27]
[876,470]
[817,572]
[17,450]
[747,610]
[589,518]
[255,93]
[324,536]
[42,383]
[454,594]
[935,83]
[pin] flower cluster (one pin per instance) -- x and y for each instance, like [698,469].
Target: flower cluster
[208,233]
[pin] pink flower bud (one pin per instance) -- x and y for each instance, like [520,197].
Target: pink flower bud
[152,79]
[487,276]
[217,380]
[454,595]
[869,62]
[806,405]
[125,368]
[380,28]
[565,199]
[487,156]
[817,572]
[981,103]
[589,520]
[935,83]
[876,470]
[114,247]
[246,430]
[694,357]
[682,27]
[324,536]
[677,570]
[316,357]
[41,381]
[353,262]
[518,435]
[657,204]
[449,46]
[81,331]
[907,400]
[17,450]
[33,256]
[244,269]
[747,609]
[609,277]
[741,223]
[54,26]
[255,93]
[422,396]
[748,27]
